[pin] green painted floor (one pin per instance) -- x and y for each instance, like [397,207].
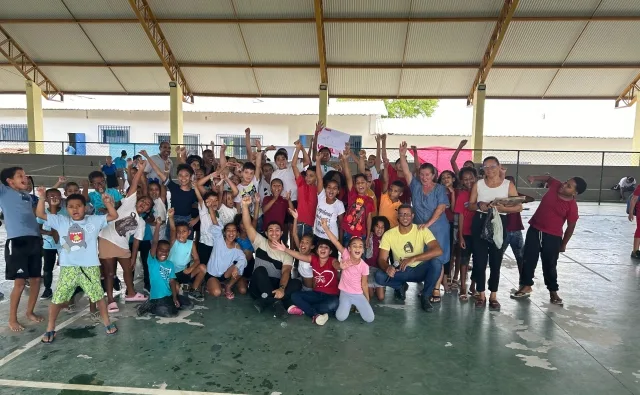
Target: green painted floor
[591,346]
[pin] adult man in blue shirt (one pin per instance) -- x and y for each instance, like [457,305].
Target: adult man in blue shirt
[23,248]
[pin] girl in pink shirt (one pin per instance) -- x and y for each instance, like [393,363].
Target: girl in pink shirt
[354,278]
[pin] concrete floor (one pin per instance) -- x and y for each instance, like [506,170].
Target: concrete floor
[591,346]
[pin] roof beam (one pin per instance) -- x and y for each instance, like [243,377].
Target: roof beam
[490,53]
[160,44]
[365,66]
[628,95]
[613,18]
[27,67]
[322,49]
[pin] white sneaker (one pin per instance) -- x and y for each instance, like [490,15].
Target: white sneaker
[321,319]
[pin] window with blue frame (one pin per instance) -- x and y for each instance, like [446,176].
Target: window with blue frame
[110,134]
[235,144]
[14,132]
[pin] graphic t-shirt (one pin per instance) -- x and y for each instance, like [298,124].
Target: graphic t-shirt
[160,275]
[128,223]
[288,181]
[462,207]
[19,218]
[351,277]
[78,239]
[95,198]
[325,278]
[406,245]
[375,251]
[307,201]
[226,214]
[552,212]
[355,219]
[48,242]
[248,190]
[328,211]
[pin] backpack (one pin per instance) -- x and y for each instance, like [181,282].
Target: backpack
[629,204]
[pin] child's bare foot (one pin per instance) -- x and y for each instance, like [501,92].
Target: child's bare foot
[16,327]
[34,317]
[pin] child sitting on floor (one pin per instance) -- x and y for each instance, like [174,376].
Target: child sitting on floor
[182,252]
[164,299]
[79,264]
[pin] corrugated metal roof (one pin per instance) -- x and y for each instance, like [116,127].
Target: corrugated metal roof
[206,43]
[100,8]
[219,80]
[32,9]
[365,42]
[123,42]
[274,8]
[519,82]
[297,43]
[53,42]
[191,9]
[456,8]
[344,81]
[608,42]
[203,104]
[85,79]
[556,7]
[366,8]
[618,8]
[10,78]
[143,79]
[608,82]
[288,81]
[538,42]
[439,82]
[469,41]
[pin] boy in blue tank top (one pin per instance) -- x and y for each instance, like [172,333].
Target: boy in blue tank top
[184,251]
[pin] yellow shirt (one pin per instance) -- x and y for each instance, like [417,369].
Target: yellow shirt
[389,209]
[407,245]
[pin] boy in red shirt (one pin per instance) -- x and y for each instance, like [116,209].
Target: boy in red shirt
[307,197]
[545,237]
[275,207]
[356,221]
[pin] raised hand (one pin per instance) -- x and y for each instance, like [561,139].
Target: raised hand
[178,150]
[324,222]
[383,137]
[246,200]
[62,179]
[294,213]
[42,191]
[258,144]
[347,150]
[171,212]
[288,196]
[298,144]
[462,143]
[530,179]
[363,154]
[256,198]
[403,148]
[106,199]
[142,164]
[278,245]
[270,148]
[319,126]
[158,222]
[247,131]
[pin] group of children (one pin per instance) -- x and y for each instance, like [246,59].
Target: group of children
[299,237]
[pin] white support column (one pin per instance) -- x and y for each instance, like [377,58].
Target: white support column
[34,118]
[175,113]
[477,133]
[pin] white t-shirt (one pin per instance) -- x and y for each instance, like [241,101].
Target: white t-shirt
[625,184]
[288,181]
[226,215]
[329,211]
[128,223]
[206,238]
[374,173]
[160,211]
[264,188]
[250,190]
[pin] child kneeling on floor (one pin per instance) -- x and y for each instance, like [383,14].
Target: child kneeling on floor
[79,264]
[165,299]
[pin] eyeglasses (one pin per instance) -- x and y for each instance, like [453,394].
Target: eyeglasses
[489,167]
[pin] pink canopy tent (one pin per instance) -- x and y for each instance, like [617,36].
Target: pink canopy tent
[440,157]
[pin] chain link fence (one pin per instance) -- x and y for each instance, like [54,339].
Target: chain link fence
[47,160]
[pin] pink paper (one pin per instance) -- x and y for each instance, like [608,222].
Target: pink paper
[440,157]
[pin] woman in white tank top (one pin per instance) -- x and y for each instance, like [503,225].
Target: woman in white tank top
[483,193]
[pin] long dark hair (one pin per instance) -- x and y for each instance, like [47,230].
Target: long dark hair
[330,175]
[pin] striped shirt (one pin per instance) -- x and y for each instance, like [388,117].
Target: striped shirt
[270,259]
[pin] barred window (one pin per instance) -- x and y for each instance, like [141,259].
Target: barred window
[190,141]
[14,132]
[235,144]
[114,134]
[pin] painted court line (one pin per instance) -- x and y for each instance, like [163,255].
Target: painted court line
[42,168]
[36,341]
[103,388]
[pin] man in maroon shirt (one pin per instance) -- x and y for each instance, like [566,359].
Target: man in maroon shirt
[545,237]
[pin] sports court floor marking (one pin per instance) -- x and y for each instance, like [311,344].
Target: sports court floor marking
[103,388]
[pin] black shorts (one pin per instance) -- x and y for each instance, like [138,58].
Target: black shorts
[184,278]
[288,219]
[24,257]
[112,181]
[220,279]
[204,252]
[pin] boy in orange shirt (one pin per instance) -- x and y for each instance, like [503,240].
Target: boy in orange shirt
[390,198]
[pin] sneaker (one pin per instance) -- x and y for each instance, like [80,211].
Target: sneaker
[400,294]
[146,290]
[95,317]
[47,294]
[635,255]
[320,319]
[259,305]
[426,305]
[116,283]
[295,310]
[196,295]
[143,308]
[279,310]
[27,284]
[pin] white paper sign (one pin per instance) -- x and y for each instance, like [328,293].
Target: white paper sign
[332,139]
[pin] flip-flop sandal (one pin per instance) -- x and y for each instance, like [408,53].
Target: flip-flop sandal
[138,297]
[520,295]
[51,335]
[435,298]
[229,295]
[556,301]
[494,305]
[481,303]
[111,327]
[464,297]
[113,308]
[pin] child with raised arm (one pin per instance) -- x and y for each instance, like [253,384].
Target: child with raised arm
[304,245]
[50,241]
[307,198]
[329,208]
[357,219]
[390,198]
[97,180]
[164,298]
[79,264]
[182,252]
[228,262]
[250,175]
[323,299]
[354,283]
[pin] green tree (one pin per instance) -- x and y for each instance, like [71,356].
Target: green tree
[410,108]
